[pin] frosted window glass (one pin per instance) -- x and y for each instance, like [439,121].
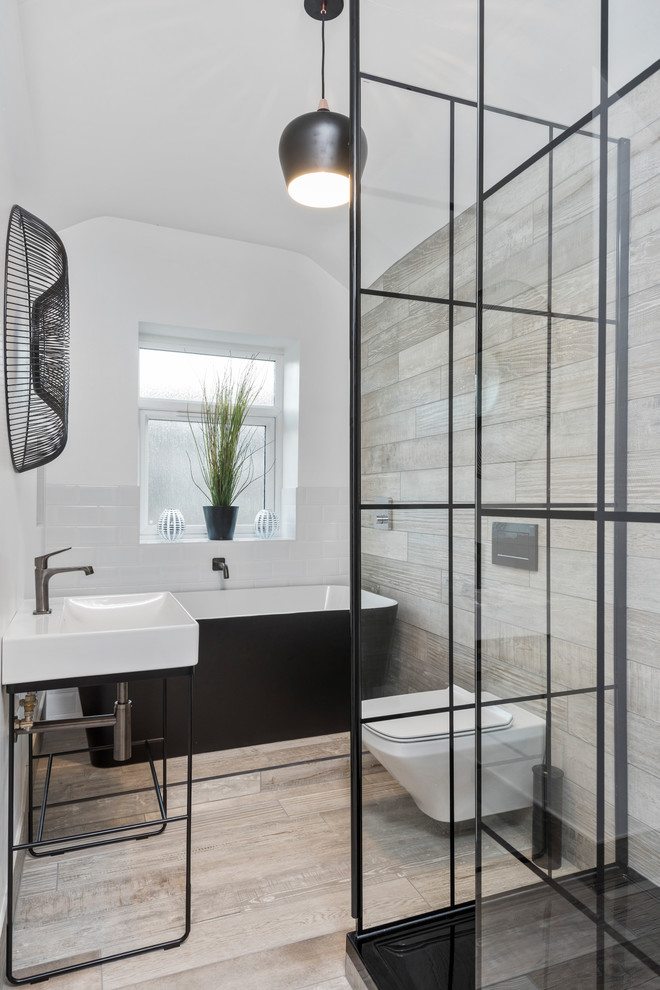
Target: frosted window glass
[179,375]
[173,463]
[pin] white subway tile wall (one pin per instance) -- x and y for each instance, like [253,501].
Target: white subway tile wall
[102,527]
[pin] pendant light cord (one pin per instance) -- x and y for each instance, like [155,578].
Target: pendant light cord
[323,59]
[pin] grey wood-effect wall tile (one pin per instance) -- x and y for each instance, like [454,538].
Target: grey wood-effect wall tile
[464,323]
[644,423]
[643,367]
[643,576]
[643,541]
[574,571]
[522,440]
[431,521]
[574,433]
[643,262]
[498,483]
[414,579]
[644,849]
[430,550]
[575,189]
[379,374]
[524,607]
[504,680]
[643,690]
[644,480]
[463,556]
[367,303]
[574,341]
[463,590]
[410,639]
[575,291]
[381,486]
[433,282]
[518,358]
[574,386]
[574,619]
[388,544]
[644,796]
[431,418]
[508,235]
[643,321]
[575,245]
[419,453]
[505,640]
[430,615]
[464,448]
[498,326]
[407,394]
[519,280]
[573,665]
[424,486]
[464,376]
[645,216]
[428,263]
[429,353]
[464,628]
[516,400]
[573,480]
[644,744]
[464,484]
[514,196]
[381,313]
[389,429]
[422,322]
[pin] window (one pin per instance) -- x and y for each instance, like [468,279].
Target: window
[172,374]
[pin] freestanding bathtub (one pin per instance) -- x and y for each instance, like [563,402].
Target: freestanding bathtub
[274,664]
[415,750]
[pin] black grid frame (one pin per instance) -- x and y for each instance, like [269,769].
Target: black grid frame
[593,125]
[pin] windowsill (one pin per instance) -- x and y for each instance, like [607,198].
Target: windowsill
[147,538]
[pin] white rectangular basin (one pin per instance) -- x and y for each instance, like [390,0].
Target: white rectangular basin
[97,636]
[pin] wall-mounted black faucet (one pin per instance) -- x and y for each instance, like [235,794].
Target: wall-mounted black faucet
[220,564]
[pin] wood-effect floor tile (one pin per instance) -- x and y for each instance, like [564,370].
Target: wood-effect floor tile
[313,964]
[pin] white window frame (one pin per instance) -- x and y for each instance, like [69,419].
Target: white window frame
[180,410]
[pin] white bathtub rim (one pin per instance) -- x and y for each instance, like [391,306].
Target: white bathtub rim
[277,600]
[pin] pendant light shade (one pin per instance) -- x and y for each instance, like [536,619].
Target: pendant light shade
[315,160]
[314,152]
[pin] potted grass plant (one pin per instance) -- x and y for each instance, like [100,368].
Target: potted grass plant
[224,449]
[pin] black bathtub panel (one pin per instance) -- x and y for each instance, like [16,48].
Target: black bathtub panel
[260,679]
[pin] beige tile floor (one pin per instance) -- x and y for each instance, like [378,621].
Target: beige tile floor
[270,871]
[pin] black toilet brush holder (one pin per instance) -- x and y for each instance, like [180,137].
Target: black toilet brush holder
[547,816]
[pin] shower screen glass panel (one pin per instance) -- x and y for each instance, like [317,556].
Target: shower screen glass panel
[513,522]
[568,444]
[405,192]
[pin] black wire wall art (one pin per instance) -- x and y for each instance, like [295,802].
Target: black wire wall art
[36,320]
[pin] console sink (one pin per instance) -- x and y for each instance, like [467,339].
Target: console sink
[97,636]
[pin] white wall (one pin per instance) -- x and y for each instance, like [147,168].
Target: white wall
[18,534]
[124,273]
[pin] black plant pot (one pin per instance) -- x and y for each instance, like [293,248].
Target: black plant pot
[220,521]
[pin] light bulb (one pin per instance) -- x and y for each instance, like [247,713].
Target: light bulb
[320,189]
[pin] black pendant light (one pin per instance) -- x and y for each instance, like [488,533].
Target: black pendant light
[314,147]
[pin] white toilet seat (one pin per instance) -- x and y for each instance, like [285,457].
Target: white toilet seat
[423,728]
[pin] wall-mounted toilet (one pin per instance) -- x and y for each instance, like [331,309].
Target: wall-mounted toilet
[415,750]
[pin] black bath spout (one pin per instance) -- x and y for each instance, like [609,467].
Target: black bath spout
[220,564]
